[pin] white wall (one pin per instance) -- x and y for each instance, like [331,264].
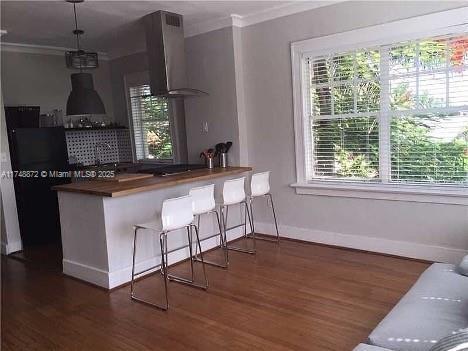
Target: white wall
[44,80]
[422,230]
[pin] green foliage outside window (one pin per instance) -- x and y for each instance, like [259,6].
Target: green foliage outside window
[157,128]
[421,151]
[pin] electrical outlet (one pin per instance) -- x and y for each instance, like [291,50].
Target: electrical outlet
[205,127]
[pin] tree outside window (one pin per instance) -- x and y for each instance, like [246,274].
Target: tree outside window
[426,83]
[151,125]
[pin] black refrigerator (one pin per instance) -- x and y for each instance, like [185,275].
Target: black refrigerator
[34,152]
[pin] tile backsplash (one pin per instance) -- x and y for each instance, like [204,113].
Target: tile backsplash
[81,146]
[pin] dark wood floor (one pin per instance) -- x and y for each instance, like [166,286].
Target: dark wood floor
[293,297]
[47,256]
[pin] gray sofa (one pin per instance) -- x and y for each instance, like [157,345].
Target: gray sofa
[436,306]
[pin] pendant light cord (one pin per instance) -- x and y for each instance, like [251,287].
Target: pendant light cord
[77,34]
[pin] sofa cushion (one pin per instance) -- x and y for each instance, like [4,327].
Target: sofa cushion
[365,347]
[436,306]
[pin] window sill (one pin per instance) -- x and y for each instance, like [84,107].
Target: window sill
[393,192]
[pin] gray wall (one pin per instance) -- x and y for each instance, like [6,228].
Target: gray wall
[44,80]
[211,68]
[269,110]
[120,67]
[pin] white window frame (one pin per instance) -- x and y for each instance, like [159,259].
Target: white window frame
[142,78]
[442,23]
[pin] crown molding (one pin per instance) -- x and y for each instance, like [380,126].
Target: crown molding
[258,17]
[209,26]
[42,49]
[284,10]
[189,31]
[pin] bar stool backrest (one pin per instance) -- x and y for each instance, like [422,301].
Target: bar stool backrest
[203,200]
[233,191]
[177,213]
[260,184]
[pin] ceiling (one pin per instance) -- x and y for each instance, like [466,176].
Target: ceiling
[110,25]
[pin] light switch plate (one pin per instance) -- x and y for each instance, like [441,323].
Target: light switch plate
[205,127]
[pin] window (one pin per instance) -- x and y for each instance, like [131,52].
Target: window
[390,113]
[150,124]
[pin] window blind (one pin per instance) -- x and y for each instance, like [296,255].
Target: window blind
[393,113]
[150,124]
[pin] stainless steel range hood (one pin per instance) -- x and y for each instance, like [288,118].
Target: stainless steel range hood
[166,55]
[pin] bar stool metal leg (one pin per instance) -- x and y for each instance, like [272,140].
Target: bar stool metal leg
[245,224]
[223,223]
[223,239]
[189,237]
[186,281]
[222,244]
[274,216]
[201,255]
[163,238]
[132,283]
[252,214]
[277,239]
[252,236]
[163,268]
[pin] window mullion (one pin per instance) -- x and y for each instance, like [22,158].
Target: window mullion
[417,58]
[384,118]
[308,120]
[142,130]
[355,83]
[447,75]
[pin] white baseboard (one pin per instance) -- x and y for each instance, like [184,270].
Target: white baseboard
[374,244]
[88,273]
[110,280]
[11,247]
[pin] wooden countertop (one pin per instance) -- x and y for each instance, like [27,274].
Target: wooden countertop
[114,189]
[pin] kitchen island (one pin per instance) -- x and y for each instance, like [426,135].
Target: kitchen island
[97,219]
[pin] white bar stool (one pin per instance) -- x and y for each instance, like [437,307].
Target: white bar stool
[176,214]
[203,202]
[234,194]
[260,187]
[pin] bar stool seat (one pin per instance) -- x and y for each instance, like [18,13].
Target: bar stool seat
[176,214]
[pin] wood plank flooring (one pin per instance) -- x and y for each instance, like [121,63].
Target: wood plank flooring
[295,296]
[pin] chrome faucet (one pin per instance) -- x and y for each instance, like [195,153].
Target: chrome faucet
[97,147]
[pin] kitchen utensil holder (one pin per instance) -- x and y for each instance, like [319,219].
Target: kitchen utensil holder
[209,163]
[223,160]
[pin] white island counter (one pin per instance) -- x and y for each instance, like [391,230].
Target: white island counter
[97,219]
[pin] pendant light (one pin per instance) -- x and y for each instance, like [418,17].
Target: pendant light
[83,99]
